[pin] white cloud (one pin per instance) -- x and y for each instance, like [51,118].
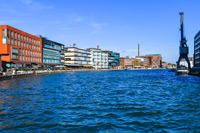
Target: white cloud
[79,19]
[97,26]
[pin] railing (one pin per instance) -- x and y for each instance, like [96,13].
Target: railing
[51,52]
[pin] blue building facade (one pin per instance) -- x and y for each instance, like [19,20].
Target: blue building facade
[197,50]
[113,59]
[52,52]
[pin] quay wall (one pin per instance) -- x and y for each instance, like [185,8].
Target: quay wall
[50,72]
[194,72]
[53,72]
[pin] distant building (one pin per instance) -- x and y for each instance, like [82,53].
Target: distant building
[19,49]
[99,59]
[197,50]
[113,59]
[141,62]
[76,57]
[155,60]
[126,63]
[52,52]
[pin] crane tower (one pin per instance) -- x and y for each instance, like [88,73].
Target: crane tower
[183,48]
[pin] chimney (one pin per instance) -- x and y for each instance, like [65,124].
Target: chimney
[138,49]
[97,46]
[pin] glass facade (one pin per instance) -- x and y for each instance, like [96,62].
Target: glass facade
[51,52]
[197,50]
[5,36]
[113,59]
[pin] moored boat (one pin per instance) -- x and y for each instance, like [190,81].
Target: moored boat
[182,71]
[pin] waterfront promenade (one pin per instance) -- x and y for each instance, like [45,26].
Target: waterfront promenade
[18,74]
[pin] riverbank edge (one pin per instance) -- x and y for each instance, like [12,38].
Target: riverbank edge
[67,71]
[36,74]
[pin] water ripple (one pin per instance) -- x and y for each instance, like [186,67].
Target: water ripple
[123,101]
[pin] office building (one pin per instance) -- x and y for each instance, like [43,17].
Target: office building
[77,58]
[18,48]
[197,50]
[113,59]
[52,52]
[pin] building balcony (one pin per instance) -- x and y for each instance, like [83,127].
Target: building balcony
[52,47]
[51,52]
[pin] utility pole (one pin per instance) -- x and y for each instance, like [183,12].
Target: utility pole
[138,49]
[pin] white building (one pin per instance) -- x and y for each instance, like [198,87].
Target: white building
[77,57]
[99,59]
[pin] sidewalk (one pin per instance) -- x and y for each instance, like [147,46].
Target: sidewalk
[10,75]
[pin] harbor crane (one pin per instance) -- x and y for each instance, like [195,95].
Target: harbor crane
[183,48]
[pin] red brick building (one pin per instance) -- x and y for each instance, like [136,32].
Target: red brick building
[155,60]
[126,63]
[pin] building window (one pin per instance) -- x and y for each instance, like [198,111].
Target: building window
[11,41]
[20,55]
[29,43]
[18,37]
[21,41]
[24,41]
[35,44]
[5,36]
[14,53]
[67,59]
[18,43]
[11,37]
[11,34]
[15,35]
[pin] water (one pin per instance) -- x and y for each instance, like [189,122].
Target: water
[143,100]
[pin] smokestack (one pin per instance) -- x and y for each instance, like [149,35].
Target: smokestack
[138,49]
[97,46]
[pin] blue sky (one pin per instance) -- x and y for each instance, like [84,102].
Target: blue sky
[117,25]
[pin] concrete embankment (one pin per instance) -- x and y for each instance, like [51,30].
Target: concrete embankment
[50,72]
[195,71]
